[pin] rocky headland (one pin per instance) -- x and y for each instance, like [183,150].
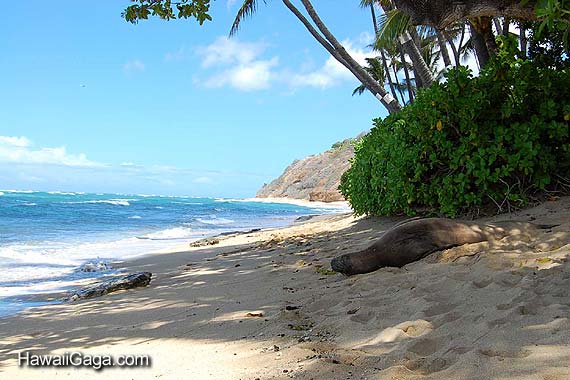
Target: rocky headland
[314,178]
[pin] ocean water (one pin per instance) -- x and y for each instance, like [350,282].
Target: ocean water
[48,239]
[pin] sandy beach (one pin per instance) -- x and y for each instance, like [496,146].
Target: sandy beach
[265,305]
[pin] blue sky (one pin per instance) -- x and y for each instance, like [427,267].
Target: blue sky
[89,102]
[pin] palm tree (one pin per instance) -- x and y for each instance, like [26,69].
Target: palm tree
[440,14]
[395,24]
[323,35]
[382,54]
[375,68]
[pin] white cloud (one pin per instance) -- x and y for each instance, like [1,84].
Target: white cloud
[15,141]
[134,65]
[255,75]
[226,51]
[332,72]
[365,38]
[20,150]
[241,65]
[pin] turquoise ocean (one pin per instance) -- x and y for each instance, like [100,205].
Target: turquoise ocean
[49,240]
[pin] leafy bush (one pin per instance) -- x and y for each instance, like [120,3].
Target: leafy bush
[495,139]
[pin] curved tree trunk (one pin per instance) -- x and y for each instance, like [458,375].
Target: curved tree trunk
[340,54]
[453,47]
[399,89]
[417,42]
[498,26]
[420,66]
[443,48]
[506,25]
[407,75]
[522,39]
[424,77]
[480,47]
[484,26]
[382,55]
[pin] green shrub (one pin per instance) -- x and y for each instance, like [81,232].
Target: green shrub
[495,139]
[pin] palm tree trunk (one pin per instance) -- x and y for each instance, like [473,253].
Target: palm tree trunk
[522,39]
[340,54]
[399,89]
[424,75]
[407,74]
[498,25]
[506,24]
[463,27]
[443,48]
[420,66]
[480,47]
[388,75]
[453,48]
[483,26]
[382,55]
[417,42]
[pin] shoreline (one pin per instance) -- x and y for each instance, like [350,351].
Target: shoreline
[15,304]
[262,304]
[340,205]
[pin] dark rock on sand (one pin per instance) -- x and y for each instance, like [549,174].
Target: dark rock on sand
[99,289]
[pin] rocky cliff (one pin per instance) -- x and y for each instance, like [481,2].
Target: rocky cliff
[314,178]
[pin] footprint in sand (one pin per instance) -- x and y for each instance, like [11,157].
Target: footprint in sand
[426,346]
[504,353]
[447,318]
[508,279]
[438,309]
[483,282]
[364,315]
[425,366]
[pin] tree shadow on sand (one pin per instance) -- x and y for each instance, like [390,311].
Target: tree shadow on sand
[471,318]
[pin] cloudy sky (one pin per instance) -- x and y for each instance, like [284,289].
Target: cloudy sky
[89,102]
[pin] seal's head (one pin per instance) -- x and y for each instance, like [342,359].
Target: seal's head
[341,264]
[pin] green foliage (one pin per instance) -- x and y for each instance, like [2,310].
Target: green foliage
[547,48]
[554,15]
[495,139]
[346,143]
[167,10]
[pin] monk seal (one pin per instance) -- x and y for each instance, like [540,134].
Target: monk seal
[414,240]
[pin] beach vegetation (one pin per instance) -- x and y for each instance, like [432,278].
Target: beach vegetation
[498,140]
[417,32]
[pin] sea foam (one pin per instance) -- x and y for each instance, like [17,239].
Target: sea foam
[215,221]
[171,234]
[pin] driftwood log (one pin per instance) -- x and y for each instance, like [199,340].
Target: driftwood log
[99,289]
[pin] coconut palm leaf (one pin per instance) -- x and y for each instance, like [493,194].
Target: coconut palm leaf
[376,71]
[392,24]
[247,9]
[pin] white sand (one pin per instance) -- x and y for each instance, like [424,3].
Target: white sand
[338,205]
[480,311]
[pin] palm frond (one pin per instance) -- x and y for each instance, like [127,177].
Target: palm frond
[391,25]
[247,9]
[367,3]
[359,90]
